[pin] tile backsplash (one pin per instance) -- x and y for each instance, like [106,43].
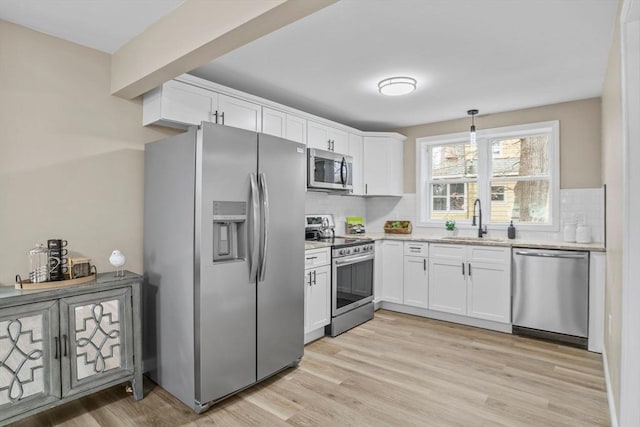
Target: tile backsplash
[576,205]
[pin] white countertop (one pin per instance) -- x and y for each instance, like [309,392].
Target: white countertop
[523,243]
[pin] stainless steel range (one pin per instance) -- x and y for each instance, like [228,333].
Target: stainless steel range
[351,274]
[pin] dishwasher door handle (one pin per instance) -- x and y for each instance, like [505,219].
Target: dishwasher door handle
[548,255]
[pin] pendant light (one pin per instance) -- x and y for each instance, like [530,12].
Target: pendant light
[472,130]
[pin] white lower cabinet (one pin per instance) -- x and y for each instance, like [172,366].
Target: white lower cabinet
[392,271]
[317,292]
[471,280]
[416,281]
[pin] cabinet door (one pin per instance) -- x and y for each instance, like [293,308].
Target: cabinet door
[296,129]
[356,150]
[375,167]
[29,359]
[395,166]
[489,291]
[183,103]
[317,136]
[339,140]
[416,281]
[317,298]
[96,345]
[238,113]
[273,122]
[448,285]
[392,274]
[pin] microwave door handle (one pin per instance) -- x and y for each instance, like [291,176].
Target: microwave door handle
[343,172]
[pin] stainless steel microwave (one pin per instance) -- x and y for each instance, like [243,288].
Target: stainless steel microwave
[327,170]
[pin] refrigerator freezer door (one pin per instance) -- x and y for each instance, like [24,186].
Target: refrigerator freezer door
[225,296]
[281,294]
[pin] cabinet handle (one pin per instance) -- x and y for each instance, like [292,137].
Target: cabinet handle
[64,339]
[463,268]
[222,117]
[424,264]
[469,269]
[314,277]
[55,345]
[215,115]
[311,257]
[309,279]
[414,248]
[366,188]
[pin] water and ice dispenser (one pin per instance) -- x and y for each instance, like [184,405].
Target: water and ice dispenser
[229,230]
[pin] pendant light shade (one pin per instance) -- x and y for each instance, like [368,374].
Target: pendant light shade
[395,86]
[472,130]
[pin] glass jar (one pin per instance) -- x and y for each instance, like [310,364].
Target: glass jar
[39,264]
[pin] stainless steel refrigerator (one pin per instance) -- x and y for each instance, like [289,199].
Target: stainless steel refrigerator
[223,261]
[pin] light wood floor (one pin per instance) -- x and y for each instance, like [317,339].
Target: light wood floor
[395,370]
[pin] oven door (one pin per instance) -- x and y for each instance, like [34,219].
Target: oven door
[329,170]
[352,283]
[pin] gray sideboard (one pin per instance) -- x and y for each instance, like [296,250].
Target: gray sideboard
[57,345]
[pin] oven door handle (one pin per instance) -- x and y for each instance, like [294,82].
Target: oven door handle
[353,260]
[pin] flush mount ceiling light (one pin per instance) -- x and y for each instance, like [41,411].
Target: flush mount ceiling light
[395,86]
[472,130]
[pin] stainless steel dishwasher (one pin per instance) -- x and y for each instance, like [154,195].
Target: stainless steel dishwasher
[551,294]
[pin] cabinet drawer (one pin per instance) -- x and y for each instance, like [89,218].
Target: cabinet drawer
[489,254]
[317,257]
[444,251]
[416,248]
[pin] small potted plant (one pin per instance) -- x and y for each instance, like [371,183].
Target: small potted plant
[450,226]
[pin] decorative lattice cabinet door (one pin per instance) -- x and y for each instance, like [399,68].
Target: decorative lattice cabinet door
[29,365]
[96,339]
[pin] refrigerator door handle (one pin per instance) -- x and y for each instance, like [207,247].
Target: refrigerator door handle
[265,226]
[254,232]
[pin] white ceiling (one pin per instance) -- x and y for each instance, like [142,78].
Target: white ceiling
[493,55]
[100,24]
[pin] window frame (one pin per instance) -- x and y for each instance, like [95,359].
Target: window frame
[484,173]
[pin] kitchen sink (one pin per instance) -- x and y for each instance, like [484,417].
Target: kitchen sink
[473,239]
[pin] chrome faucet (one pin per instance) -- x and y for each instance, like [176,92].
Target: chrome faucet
[480,230]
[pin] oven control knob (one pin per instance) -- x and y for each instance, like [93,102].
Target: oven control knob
[341,252]
[356,250]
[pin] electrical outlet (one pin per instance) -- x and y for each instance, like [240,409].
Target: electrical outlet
[609,325]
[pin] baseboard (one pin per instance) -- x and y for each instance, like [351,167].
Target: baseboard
[313,335]
[613,413]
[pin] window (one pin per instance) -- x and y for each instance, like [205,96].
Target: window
[512,170]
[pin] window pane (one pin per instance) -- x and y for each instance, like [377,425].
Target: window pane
[439,189]
[497,193]
[439,204]
[526,156]
[524,202]
[454,161]
[459,197]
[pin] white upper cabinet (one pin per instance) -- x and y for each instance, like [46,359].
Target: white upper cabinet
[179,104]
[283,125]
[274,122]
[239,113]
[356,150]
[296,129]
[383,165]
[327,138]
